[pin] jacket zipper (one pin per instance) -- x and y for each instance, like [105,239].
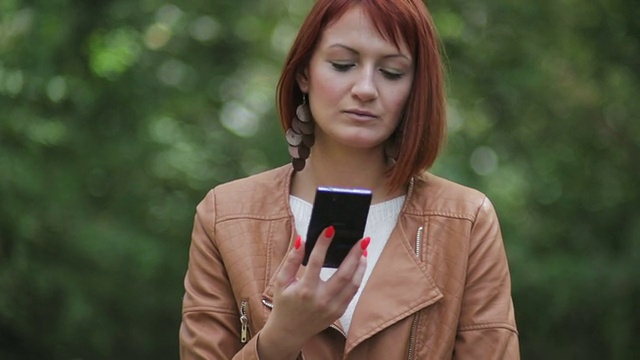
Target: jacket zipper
[244,323]
[419,242]
[416,317]
[267,304]
[414,329]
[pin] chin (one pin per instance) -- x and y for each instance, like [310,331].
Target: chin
[362,143]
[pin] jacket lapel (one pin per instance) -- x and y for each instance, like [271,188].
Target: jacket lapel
[399,286]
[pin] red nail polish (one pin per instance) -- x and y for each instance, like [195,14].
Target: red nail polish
[298,242]
[365,243]
[365,253]
[330,231]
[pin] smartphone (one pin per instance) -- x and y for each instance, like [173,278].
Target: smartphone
[344,208]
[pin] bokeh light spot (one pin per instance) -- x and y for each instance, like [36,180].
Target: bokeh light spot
[57,89]
[204,28]
[157,36]
[484,160]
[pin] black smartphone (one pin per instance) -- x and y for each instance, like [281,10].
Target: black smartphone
[344,208]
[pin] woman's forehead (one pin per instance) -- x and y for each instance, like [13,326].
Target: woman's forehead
[356,28]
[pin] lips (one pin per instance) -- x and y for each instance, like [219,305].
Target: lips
[360,113]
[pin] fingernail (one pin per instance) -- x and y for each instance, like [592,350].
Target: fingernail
[298,242]
[329,232]
[365,253]
[365,243]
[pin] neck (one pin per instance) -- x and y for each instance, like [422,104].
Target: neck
[365,169]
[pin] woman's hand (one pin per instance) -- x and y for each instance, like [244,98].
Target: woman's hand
[306,306]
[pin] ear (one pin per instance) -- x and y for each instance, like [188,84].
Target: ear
[302,77]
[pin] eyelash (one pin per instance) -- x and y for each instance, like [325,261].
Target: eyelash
[342,67]
[391,75]
[345,67]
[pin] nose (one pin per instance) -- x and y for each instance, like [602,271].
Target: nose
[364,88]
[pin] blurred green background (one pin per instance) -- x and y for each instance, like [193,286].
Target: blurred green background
[116,117]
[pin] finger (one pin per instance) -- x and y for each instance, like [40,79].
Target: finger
[291,264]
[358,275]
[343,277]
[344,295]
[316,258]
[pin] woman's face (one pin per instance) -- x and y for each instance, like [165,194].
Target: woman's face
[357,83]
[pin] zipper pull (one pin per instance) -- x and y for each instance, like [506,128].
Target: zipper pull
[244,322]
[243,333]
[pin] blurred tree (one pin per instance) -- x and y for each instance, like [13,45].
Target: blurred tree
[117,116]
[545,104]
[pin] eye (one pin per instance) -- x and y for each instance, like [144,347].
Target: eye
[342,67]
[391,75]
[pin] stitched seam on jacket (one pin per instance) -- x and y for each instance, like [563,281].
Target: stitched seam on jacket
[250,217]
[208,309]
[443,214]
[484,200]
[212,232]
[489,326]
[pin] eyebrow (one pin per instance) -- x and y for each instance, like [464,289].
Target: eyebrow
[350,49]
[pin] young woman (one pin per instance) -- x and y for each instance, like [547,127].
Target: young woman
[361,101]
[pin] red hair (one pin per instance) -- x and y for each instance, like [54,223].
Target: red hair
[421,131]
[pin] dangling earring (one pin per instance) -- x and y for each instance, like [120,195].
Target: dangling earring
[300,135]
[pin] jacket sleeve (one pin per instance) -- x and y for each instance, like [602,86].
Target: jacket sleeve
[487,328]
[210,327]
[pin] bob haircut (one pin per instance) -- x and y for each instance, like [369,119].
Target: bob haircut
[421,131]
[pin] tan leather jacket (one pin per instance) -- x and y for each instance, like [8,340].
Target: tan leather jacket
[440,290]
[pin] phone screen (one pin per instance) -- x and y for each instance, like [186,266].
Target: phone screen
[344,208]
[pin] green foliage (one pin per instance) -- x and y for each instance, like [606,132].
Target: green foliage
[117,116]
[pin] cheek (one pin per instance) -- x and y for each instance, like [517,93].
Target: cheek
[325,88]
[398,101]
[325,84]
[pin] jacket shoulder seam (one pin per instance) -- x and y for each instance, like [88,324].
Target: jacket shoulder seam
[484,200]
